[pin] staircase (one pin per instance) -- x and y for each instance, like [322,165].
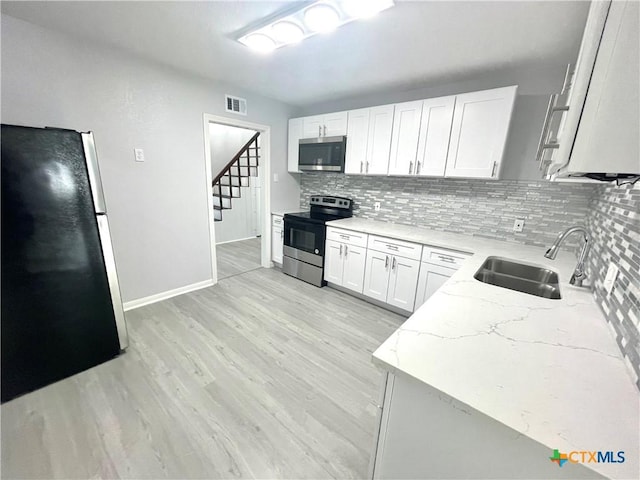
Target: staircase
[229,182]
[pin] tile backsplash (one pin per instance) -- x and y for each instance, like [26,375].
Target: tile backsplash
[614,224]
[485,208]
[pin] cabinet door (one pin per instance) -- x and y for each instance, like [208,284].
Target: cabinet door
[376,275]
[295,134]
[404,140]
[312,127]
[435,131]
[379,142]
[354,263]
[403,282]
[357,136]
[607,137]
[479,133]
[333,262]
[335,124]
[431,278]
[276,244]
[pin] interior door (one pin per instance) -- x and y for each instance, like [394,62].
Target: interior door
[404,140]
[354,266]
[376,277]
[431,278]
[435,131]
[379,141]
[333,262]
[479,133]
[357,136]
[403,281]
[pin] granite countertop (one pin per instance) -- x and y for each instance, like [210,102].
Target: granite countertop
[549,369]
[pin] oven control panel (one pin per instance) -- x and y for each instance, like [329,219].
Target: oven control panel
[330,201]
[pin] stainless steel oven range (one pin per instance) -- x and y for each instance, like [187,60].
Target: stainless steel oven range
[304,234]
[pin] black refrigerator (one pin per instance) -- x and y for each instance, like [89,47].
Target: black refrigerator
[61,306]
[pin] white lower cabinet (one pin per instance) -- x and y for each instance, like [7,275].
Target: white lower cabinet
[391,279]
[277,238]
[431,278]
[344,261]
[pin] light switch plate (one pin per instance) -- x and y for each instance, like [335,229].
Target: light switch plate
[610,279]
[139,153]
[518,224]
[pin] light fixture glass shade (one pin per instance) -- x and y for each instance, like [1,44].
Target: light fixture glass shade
[364,8]
[321,18]
[287,32]
[260,43]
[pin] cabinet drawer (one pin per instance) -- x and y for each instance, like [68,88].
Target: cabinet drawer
[277,220]
[443,257]
[347,236]
[395,247]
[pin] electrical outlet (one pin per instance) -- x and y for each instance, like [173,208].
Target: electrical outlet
[376,206]
[610,279]
[139,153]
[518,224]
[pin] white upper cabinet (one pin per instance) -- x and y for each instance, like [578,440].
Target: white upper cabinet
[435,130]
[369,140]
[295,134]
[479,133]
[379,143]
[328,125]
[607,136]
[404,141]
[357,140]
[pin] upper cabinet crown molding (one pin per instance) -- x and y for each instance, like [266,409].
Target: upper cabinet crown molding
[454,136]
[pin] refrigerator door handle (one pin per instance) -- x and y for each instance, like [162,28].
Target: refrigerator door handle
[91,158]
[112,276]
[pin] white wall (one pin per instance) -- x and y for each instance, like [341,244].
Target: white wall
[226,141]
[157,209]
[534,88]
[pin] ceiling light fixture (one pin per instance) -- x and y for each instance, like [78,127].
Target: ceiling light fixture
[287,32]
[308,20]
[321,18]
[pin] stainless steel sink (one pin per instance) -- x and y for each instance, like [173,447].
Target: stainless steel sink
[521,277]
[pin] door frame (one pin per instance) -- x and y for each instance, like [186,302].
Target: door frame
[265,190]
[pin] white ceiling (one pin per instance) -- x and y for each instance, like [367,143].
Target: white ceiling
[418,43]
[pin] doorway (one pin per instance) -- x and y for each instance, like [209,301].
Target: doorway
[239,238]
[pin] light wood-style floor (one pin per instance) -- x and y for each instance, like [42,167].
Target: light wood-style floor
[239,257]
[259,376]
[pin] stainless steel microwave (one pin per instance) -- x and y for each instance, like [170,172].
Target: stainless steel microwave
[322,154]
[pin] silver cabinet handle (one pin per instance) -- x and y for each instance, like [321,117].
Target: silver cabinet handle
[346,250]
[281,234]
[392,247]
[367,169]
[325,130]
[319,131]
[494,169]
[340,249]
[345,237]
[361,167]
[393,264]
[386,262]
[446,259]
[418,168]
[410,167]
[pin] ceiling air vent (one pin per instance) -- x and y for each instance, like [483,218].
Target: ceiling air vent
[236,104]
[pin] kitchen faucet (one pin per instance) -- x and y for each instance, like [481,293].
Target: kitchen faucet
[578,274]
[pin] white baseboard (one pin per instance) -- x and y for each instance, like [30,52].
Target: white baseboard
[141,302]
